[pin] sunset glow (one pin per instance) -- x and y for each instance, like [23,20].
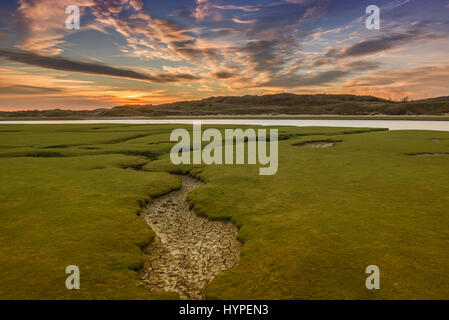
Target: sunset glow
[134,52]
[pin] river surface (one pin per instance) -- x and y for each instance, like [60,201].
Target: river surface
[387,124]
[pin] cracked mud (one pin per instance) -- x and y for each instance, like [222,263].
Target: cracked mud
[188,251]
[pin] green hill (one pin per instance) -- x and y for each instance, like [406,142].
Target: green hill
[278,104]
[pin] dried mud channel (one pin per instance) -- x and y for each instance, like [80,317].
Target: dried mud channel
[188,251]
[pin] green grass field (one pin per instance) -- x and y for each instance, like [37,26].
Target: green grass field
[308,232]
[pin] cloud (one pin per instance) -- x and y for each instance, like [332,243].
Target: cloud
[223,75]
[264,55]
[59,63]
[135,4]
[315,79]
[294,79]
[395,4]
[148,37]
[243,8]
[25,89]
[43,90]
[237,20]
[316,35]
[265,46]
[362,65]
[206,10]
[419,82]
[300,2]
[312,13]
[203,11]
[379,44]
[43,29]
[43,24]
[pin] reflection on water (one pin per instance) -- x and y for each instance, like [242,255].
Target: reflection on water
[389,124]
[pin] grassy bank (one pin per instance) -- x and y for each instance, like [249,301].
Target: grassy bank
[308,232]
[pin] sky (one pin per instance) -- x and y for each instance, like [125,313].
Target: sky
[134,52]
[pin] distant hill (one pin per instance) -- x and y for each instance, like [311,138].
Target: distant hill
[278,104]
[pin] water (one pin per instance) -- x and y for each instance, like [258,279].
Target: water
[388,124]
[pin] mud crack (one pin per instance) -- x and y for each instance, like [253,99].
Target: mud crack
[188,251]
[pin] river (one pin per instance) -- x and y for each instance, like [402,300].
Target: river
[388,124]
